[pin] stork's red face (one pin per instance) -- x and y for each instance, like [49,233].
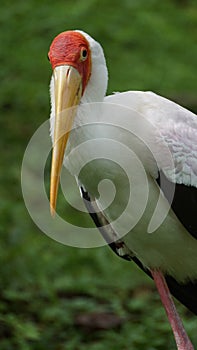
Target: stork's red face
[70,58]
[71,48]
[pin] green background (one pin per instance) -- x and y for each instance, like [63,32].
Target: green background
[53,296]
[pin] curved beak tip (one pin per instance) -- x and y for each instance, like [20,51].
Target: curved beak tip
[52,211]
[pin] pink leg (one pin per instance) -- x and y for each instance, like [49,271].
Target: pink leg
[182,340]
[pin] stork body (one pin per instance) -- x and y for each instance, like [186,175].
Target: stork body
[170,250]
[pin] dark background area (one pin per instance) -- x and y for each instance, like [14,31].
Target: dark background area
[53,296]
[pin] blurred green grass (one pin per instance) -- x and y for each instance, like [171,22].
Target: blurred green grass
[149,45]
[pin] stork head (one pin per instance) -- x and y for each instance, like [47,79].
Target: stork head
[79,75]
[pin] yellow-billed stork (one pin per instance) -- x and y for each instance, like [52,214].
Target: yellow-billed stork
[168,255]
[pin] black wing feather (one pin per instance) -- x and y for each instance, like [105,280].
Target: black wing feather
[184,203]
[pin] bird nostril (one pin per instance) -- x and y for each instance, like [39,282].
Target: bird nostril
[67,73]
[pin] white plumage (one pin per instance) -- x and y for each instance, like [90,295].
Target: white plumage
[150,137]
[173,124]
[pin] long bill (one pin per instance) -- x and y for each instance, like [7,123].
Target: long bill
[67,94]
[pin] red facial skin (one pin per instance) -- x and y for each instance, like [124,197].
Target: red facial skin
[68,48]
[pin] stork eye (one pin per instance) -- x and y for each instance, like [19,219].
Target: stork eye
[84,54]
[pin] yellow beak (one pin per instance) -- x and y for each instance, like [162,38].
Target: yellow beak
[68,91]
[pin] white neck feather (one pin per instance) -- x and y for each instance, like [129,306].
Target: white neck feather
[96,88]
